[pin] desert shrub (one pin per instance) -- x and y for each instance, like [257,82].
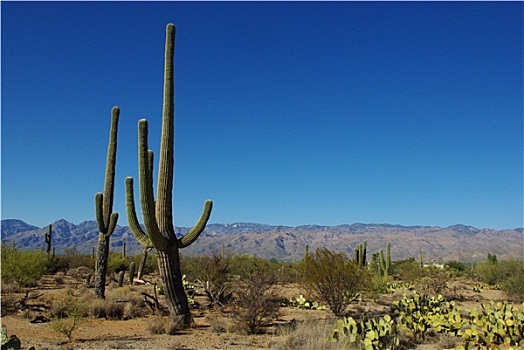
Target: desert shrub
[433,282]
[407,270]
[117,263]
[24,267]
[163,325]
[514,284]
[215,277]
[334,278]
[57,264]
[256,302]
[68,315]
[76,259]
[456,268]
[495,272]
[379,284]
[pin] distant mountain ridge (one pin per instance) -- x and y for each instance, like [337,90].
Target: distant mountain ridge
[457,242]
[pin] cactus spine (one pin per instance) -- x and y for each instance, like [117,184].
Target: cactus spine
[158,219]
[105,216]
[48,239]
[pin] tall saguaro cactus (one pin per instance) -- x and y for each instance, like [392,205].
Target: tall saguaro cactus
[105,216]
[157,214]
[48,239]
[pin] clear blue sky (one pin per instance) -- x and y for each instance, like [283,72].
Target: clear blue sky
[286,113]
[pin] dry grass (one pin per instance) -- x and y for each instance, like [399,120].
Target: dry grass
[309,334]
[164,325]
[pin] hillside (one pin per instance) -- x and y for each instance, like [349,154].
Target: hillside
[458,242]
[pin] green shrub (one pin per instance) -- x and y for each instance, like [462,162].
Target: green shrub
[334,278]
[117,263]
[514,284]
[71,315]
[256,303]
[457,268]
[496,273]
[24,267]
[407,270]
[215,276]
[76,259]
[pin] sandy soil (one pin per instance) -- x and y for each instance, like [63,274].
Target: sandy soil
[212,329]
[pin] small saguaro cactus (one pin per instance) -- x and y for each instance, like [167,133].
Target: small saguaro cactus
[105,216]
[48,239]
[385,263]
[123,249]
[420,258]
[121,278]
[359,254]
[131,272]
[158,229]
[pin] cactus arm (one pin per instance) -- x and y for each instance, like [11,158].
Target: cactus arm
[193,234]
[147,200]
[99,198]
[132,219]
[113,219]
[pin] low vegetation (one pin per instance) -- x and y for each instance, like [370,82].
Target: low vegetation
[362,307]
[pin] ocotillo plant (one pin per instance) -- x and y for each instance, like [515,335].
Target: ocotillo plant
[158,218]
[48,239]
[105,216]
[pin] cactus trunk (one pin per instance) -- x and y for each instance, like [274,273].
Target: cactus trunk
[106,219]
[48,239]
[158,218]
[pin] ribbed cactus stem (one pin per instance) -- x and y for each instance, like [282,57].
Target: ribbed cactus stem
[121,278]
[124,249]
[364,254]
[381,262]
[48,239]
[420,258]
[388,257]
[131,272]
[105,217]
[159,231]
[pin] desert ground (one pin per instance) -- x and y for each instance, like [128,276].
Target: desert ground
[213,328]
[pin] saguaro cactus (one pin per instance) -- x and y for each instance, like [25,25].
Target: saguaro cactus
[48,239]
[385,263]
[359,254]
[158,219]
[105,216]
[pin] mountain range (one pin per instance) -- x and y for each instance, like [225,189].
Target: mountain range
[457,242]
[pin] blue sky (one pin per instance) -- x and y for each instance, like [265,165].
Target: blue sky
[286,113]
